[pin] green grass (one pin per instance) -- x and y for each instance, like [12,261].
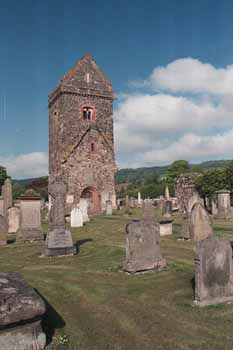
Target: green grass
[94,305]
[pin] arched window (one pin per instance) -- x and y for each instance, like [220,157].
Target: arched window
[87,113]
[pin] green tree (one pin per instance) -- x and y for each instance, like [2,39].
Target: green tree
[3,176]
[229,175]
[177,168]
[210,182]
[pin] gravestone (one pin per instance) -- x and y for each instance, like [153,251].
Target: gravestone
[30,228]
[127,202]
[213,272]
[139,204]
[108,207]
[167,194]
[83,205]
[195,198]
[21,313]
[7,195]
[167,209]
[3,230]
[59,240]
[143,247]
[185,227]
[214,208]
[76,219]
[224,205]
[13,219]
[199,224]
[165,227]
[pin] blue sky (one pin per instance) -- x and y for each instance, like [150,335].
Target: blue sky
[41,40]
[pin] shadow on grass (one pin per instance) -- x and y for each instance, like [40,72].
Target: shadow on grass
[79,243]
[51,320]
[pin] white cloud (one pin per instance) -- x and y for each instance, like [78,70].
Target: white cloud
[191,75]
[189,115]
[26,165]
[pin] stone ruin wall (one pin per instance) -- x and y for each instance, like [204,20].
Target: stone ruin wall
[185,189]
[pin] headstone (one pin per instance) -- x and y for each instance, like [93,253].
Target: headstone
[167,209]
[185,227]
[127,202]
[195,198]
[213,272]
[108,207]
[200,225]
[167,194]
[3,230]
[118,204]
[214,208]
[7,195]
[143,246]
[139,200]
[83,205]
[165,227]
[13,219]
[224,205]
[59,240]
[21,313]
[76,219]
[30,228]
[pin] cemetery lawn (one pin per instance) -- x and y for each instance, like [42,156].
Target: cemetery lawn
[93,305]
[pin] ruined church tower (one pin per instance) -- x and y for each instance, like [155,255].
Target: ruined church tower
[81,144]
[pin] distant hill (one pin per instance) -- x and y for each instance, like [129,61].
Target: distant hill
[131,175]
[125,176]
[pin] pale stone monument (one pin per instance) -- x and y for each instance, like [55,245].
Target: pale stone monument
[224,205]
[22,311]
[76,219]
[213,272]
[13,219]
[195,198]
[167,194]
[143,244]
[83,205]
[139,200]
[7,195]
[185,228]
[30,228]
[127,202]
[214,208]
[199,224]
[108,207]
[165,227]
[59,240]
[167,209]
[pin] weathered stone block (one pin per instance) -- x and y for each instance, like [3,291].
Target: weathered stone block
[21,312]
[213,272]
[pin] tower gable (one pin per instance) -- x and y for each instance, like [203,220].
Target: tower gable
[87,74]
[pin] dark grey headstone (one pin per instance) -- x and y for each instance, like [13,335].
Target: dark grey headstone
[59,240]
[143,247]
[213,271]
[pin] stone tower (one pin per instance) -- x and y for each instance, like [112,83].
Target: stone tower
[81,144]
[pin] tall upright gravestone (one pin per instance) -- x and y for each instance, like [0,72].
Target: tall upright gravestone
[213,271]
[199,223]
[30,228]
[59,240]
[143,244]
[224,205]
